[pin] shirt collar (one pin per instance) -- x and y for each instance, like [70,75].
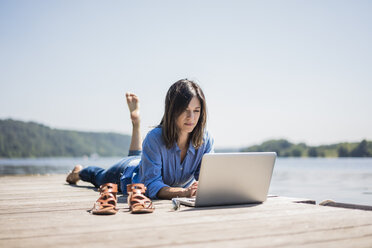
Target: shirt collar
[190,149]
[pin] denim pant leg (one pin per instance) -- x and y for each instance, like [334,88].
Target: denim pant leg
[98,176]
[91,174]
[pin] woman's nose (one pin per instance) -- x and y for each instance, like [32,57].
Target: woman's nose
[190,114]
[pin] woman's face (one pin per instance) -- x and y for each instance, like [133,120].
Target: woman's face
[189,118]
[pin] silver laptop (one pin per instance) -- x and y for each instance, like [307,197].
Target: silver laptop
[232,178]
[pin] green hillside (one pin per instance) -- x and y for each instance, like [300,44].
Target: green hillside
[28,139]
[285,148]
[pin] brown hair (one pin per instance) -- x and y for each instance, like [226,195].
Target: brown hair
[177,100]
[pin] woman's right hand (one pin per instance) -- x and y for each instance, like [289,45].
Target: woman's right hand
[191,191]
[172,192]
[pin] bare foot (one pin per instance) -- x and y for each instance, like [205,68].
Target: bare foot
[73,176]
[134,107]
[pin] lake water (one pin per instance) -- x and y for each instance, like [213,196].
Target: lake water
[347,180]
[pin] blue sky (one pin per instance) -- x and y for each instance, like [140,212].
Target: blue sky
[299,70]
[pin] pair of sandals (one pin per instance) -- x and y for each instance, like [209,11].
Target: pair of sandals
[137,201]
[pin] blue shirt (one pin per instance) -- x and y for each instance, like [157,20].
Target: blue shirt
[161,167]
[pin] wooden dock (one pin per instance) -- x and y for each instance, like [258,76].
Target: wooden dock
[43,211]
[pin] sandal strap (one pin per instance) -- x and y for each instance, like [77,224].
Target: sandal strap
[106,200]
[101,206]
[139,199]
[108,187]
[107,197]
[144,205]
[136,187]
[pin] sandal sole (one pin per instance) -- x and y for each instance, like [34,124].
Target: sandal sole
[142,212]
[104,212]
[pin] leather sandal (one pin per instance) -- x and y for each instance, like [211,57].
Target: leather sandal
[106,203]
[137,201]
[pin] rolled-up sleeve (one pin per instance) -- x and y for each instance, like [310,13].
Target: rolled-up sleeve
[151,167]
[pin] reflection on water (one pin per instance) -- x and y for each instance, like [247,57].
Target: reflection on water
[346,180]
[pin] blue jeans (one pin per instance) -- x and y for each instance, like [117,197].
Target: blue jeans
[115,174]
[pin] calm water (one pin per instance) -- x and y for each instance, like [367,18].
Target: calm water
[346,180]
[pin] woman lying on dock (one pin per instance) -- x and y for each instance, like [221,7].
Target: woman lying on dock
[166,165]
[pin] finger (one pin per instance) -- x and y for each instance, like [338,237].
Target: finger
[193,193]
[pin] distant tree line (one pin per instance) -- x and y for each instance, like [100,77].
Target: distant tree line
[285,148]
[28,139]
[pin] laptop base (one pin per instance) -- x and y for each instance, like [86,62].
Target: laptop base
[190,202]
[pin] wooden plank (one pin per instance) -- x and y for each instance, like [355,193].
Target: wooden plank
[218,235]
[331,203]
[210,223]
[57,217]
[182,217]
[86,202]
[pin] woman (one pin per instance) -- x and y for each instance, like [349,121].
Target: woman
[168,162]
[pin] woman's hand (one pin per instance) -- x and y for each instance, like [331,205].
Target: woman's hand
[171,192]
[191,191]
